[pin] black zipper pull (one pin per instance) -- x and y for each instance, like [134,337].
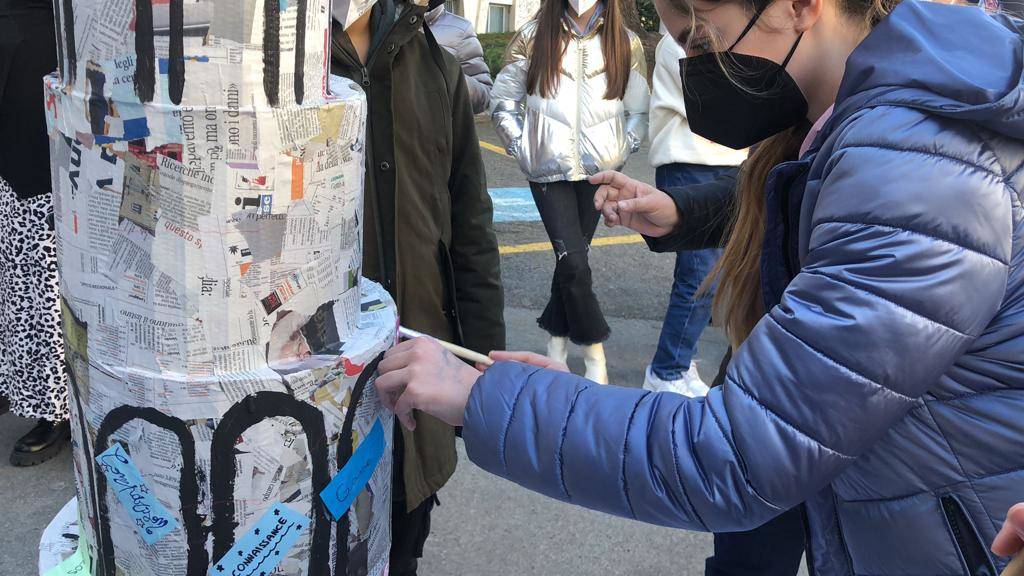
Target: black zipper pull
[366,77]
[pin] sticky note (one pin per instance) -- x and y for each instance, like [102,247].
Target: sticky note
[75,565]
[349,481]
[152,520]
[265,546]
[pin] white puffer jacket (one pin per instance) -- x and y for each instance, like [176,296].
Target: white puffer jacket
[576,133]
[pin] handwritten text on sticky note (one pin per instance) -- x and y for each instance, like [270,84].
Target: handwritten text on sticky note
[152,520]
[349,481]
[265,546]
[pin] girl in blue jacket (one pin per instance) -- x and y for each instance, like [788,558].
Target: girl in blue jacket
[872,285]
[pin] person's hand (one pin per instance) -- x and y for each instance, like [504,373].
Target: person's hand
[419,374]
[633,204]
[1010,539]
[531,358]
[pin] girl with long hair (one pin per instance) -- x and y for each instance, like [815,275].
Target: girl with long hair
[570,102]
[872,286]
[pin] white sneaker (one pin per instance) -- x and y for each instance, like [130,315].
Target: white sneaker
[689,385]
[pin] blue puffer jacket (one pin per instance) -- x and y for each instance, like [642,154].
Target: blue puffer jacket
[886,389]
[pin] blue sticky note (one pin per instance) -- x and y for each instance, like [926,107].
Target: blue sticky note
[265,546]
[152,520]
[349,481]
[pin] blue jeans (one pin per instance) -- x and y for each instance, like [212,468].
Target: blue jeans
[687,316]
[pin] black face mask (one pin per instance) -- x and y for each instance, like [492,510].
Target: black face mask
[757,99]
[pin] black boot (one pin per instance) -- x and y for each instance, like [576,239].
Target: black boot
[43,442]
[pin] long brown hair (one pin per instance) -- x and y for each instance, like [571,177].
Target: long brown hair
[552,38]
[738,300]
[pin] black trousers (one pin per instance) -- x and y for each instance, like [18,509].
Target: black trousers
[773,549]
[409,530]
[567,210]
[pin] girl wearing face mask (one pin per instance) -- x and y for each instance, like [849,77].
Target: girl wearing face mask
[570,102]
[878,373]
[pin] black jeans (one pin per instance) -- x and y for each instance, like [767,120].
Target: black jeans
[567,210]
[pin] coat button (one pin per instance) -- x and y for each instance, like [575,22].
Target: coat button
[391,48]
[413,19]
[385,166]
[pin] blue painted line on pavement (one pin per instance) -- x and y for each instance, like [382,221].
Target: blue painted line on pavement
[513,205]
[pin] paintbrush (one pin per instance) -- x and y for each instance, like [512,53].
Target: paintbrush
[464,353]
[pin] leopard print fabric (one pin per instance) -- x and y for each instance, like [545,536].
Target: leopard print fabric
[31,345]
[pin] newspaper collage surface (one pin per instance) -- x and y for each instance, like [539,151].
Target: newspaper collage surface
[221,343]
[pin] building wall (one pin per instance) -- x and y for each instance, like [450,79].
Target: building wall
[478,12]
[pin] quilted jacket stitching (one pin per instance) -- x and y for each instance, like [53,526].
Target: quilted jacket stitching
[508,423]
[893,227]
[675,467]
[785,421]
[561,443]
[839,364]
[890,301]
[625,454]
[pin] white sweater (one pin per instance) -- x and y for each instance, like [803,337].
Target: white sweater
[671,138]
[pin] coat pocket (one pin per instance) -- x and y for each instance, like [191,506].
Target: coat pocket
[975,557]
[450,306]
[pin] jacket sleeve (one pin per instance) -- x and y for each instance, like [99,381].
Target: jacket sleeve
[478,76]
[705,211]
[863,331]
[474,247]
[510,90]
[637,100]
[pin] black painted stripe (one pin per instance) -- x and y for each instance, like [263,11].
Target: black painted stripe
[145,60]
[271,49]
[197,562]
[176,52]
[61,65]
[69,37]
[300,52]
[345,453]
[239,418]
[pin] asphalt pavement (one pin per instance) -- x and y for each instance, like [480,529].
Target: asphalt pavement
[485,525]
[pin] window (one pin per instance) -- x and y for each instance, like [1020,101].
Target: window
[499,18]
[454,6]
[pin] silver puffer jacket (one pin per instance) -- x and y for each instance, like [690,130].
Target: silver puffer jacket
[576,133]
[457,36]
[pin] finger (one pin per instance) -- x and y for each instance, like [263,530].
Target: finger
[611,214]
[393,382]
[403,409]
[1010,539]
[638,205]
[396,360]
[601,196]
[609,177]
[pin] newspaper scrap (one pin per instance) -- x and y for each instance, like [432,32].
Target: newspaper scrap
[208,179]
